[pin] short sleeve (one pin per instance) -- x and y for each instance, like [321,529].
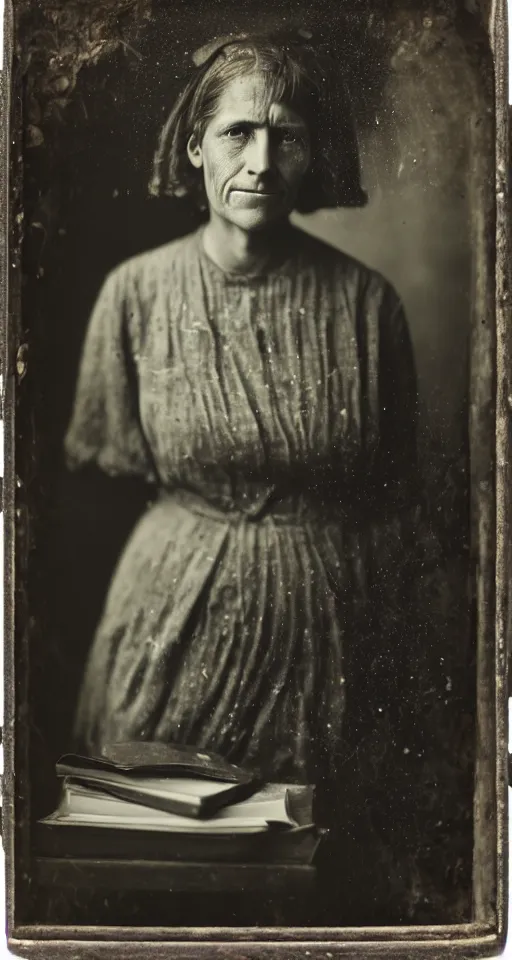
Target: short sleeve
[105,426]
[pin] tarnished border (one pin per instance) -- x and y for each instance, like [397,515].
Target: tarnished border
[486,936]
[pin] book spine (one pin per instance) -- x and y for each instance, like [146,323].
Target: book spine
[238,792]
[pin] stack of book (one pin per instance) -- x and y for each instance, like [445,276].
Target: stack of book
[174,803]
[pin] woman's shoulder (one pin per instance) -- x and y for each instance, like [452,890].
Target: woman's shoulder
[343,268]
[143,273]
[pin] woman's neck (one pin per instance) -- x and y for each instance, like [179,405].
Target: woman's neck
[246,252]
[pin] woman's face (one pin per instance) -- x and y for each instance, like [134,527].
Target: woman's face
[253,155]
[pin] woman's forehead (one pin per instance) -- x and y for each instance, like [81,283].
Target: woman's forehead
[252,98]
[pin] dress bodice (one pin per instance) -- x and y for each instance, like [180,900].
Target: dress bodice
[244,389]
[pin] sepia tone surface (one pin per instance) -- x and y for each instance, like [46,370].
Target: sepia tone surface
[418,739]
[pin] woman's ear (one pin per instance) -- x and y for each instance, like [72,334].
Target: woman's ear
[195,153]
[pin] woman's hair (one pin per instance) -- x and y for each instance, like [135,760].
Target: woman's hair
[294,74]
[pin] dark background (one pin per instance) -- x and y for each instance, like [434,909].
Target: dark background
[98,80]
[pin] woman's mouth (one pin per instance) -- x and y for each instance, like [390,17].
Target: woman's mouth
[254,193]
[242,197]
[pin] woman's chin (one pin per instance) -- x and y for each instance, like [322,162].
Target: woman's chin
[256,220]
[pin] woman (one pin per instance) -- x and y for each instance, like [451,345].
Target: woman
[264,382]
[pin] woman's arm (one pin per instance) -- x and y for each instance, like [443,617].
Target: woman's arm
[105,427]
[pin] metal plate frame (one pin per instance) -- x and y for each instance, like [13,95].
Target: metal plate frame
[491,407]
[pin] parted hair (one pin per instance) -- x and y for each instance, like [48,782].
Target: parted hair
[294,73]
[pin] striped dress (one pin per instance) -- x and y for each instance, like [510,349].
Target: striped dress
[275,416]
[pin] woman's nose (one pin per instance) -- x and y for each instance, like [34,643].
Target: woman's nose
[258,157]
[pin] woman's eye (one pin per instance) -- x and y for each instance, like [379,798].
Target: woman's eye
[237,133]
[293,138]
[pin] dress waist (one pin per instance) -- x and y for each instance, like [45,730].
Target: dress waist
[297,509]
